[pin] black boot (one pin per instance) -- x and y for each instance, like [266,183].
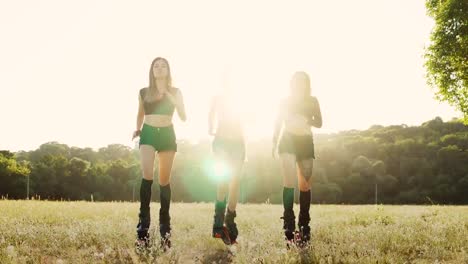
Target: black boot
[219,230]
[304,230]
[165,230]
[144,220]
[289,225]
[143,240]
[164,217]
[304,218]
[231,225]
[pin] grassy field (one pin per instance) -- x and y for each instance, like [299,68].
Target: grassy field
[84,232]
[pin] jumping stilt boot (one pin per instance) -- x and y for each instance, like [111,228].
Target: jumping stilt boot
[142,231]
[144,217]
[289,226]
[219,230]
[164,218]
[304,219]
[231,225]
[288,216]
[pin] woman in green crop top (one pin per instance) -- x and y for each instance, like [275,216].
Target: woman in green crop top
[157,104]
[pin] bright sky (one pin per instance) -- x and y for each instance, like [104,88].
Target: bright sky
[70,71]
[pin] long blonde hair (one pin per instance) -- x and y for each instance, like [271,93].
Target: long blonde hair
[152,88]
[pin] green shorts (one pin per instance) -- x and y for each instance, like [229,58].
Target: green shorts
[161,138]
[301,146]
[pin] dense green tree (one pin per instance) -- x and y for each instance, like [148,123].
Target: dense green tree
[419,164]
[12,176]
[447,55]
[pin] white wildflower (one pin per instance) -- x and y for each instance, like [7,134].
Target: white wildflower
[233,249]
[108,251]
[10,250]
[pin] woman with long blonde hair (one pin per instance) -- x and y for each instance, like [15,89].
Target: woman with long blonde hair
[157,104]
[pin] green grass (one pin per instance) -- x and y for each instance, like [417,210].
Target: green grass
[84,232]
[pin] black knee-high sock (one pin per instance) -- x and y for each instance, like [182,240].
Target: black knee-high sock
[304,200]
[145,196]
[288,198]
[220,209]
[220,206]
[165,196]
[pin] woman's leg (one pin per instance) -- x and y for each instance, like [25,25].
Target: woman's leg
[234,184]
[147,167]
[221,192]
[304,174]
[288,169]
[166,159]
[222,185]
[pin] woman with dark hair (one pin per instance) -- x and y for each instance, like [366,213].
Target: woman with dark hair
[157,103]
[297,114]
[229,151]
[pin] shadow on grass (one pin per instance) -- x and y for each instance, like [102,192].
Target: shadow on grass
[307,255]
[218,256]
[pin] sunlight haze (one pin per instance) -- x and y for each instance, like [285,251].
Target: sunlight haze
[70,71]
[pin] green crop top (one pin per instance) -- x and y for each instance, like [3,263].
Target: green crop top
[163,106]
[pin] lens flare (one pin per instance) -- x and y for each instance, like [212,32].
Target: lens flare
[218,170]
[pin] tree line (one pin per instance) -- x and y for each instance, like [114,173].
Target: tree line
[391,165]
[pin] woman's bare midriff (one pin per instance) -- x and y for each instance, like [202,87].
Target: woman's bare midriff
[297,125]
[229,127]
[223,132]
[158,120]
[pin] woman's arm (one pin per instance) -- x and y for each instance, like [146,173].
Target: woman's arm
[178,102]
[316,120]
[278,123]
[211,117]
[140,117]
